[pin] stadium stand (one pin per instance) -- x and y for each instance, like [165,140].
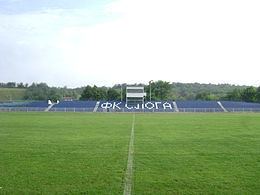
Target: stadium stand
[198,106]
[24,106]
[232,106]
[74,106]
[116,106]
[42,104]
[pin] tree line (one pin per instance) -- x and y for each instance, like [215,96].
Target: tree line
[249,94]
[42,91]
[160,90]
[14,85]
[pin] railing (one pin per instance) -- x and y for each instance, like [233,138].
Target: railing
[243,109]
[181,110]
[200,110]
[42,109]
[22,109]
[71,110]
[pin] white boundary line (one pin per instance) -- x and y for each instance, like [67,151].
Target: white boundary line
[129,169]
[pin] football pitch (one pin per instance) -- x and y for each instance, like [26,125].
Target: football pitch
[88,153]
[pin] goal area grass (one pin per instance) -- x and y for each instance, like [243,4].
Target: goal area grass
[87,153]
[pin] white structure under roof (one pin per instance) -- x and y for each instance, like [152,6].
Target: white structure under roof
[135,95]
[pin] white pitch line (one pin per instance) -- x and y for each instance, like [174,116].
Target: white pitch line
[130,162]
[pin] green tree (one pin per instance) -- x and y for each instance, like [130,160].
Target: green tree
[113,94]
[99,93]
[235,95]
[205,96]
[249,94]
[258,94]
[94,93]
[54,94]
[20,85]
[37,92]
[11,84]
[160,90]
[87,93]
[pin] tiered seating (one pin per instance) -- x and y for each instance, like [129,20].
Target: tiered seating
[76,106]
[24,106]
[13,104]
[40,104]
[198,106]
[232,106]
[160,106]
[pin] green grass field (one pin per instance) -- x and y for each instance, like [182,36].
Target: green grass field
[86,153]
[7,94]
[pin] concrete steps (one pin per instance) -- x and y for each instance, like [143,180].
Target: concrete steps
[175,107]
[222,107]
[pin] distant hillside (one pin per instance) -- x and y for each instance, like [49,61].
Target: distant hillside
[161,90]
[189,91]
[10,94]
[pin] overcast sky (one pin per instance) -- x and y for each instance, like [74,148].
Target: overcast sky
[104,42]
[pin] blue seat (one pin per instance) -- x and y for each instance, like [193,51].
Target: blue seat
[36,104]
[74,106]
[240,106]
[198,106]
